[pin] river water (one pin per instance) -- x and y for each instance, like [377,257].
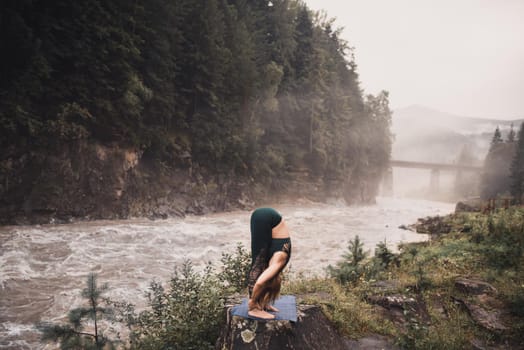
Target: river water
[43,268]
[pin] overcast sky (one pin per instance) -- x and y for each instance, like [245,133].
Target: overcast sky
[464,57]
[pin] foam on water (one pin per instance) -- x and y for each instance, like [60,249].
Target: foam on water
[43,268]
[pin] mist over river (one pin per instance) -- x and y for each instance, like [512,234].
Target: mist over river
[44,268]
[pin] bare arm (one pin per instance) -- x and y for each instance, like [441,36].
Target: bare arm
[277,262]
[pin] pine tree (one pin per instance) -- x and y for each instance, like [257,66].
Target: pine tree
[517,168]
[497,138]
[511,135]
[73,336]
[349,269]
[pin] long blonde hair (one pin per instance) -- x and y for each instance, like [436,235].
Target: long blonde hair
[271,291]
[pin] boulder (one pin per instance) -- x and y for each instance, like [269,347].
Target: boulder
[312,331]
[472,286]
[400,309]
[468,206]
[433,225]
[490,320]
[482,304]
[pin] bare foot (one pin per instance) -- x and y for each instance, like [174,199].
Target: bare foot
[260,314]
[271,308]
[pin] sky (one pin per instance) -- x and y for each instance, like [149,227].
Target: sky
[464,57]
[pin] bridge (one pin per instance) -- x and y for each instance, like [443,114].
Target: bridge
[437,166]
[435,169]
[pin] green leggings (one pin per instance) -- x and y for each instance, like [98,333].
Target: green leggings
[262,222]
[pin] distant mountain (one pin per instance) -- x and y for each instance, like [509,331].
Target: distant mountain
[425,134]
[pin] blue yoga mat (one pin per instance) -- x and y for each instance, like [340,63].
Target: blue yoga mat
[287,305]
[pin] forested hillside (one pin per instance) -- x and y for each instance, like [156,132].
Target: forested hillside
[160,107]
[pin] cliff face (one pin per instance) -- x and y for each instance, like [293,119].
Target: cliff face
[93,181]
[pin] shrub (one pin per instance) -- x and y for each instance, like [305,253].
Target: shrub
[185,316]
[235,269]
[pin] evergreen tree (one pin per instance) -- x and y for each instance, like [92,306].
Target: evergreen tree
[511,134]
[238,89]
[495,179]
[517,168]
[74,335]
[349,269]
[497,138]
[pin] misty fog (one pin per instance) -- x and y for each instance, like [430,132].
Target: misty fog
[425,135]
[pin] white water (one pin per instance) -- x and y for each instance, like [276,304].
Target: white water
[44,268]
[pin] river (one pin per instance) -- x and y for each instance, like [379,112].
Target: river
[43,268]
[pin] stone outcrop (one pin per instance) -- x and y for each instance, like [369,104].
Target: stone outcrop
[490,320]
[481,303]
[468,206]
[399,308]
[312,331]
[473,286]
[433,225]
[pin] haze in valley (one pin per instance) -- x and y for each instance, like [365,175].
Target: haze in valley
[453,70]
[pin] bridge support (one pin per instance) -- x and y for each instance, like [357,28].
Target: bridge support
[387,183]
[434,184]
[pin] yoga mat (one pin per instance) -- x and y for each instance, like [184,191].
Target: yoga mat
[287,305]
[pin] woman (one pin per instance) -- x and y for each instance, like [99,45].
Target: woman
[270,253]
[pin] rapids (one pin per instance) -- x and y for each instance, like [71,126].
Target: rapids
[43,268]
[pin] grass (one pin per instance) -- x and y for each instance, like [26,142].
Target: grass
[486,247]
[346,309]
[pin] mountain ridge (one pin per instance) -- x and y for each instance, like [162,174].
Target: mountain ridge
[423,133]
[416,109]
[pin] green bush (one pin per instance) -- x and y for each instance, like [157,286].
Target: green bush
[187,315]
[235,269]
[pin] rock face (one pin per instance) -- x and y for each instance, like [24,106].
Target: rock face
[94,181]
[89,180]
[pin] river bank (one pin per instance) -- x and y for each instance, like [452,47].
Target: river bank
[462,289]
[43,267]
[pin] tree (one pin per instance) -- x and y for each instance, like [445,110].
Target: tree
[496,172]
[497,138]
[240,91]
[349,270]
[73,336]
[517,168]
[511,134]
